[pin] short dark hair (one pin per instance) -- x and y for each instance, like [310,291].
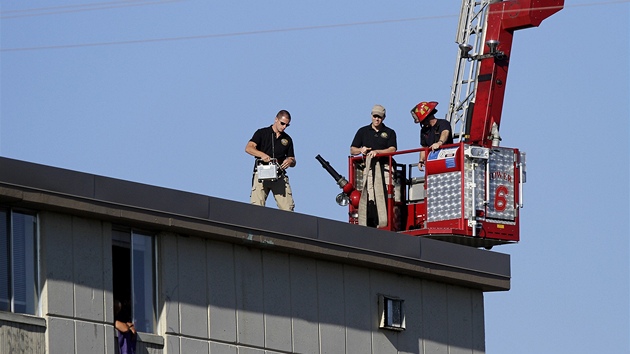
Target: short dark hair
[283,113]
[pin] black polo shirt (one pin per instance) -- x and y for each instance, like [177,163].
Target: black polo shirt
[376,140]
[279,148]
[431,134]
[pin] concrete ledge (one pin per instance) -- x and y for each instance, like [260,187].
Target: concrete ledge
[23,319]
[151,338]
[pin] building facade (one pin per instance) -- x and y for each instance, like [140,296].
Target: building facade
[199,274]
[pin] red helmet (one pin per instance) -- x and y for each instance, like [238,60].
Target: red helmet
[422,110]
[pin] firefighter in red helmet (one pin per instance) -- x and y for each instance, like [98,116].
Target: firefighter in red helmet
[434,132]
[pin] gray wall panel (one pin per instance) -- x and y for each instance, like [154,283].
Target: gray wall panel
[87,243]
[277,301]
[108,276]
[459,320]
[194,346]
[478,323]
[434,314]
[110,340]
[359,308]
[60,335]
[172,345]
[220,348]
[221,291]
[193,302]
[249,301]
[168,282]
[410,341]
[148,348]
[331,307]
[385,342]
[90,337]
[303,299]
[57,264]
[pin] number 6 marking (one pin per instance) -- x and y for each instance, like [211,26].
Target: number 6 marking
[500,200]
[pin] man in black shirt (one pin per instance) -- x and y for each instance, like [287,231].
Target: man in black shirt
[267,144]
[372,140]
[434,132]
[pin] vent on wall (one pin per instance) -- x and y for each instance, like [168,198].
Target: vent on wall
[392,314]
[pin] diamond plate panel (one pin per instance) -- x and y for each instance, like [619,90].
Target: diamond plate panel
[444,196]
[502,184]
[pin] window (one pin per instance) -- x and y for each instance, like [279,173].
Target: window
[133,258]
[18,262]
[392,315]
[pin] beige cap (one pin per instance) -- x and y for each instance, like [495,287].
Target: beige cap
[378,110]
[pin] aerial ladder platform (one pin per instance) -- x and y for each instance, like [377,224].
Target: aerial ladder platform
[469,192]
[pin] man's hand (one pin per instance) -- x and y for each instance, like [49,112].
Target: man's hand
[372,153]
[287,163]
[436,146]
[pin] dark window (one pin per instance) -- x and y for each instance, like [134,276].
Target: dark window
[133,261]
[391,313]
[18,262]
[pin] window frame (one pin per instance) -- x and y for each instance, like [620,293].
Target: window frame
[34,259]
[129,233]
[391,313]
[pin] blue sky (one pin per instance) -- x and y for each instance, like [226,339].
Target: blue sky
[169,92]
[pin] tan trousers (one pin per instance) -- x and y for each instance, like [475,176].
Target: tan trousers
[280,188]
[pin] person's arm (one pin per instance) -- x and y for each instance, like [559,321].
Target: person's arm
[124,327]
[132,328]
[422,160]
[444,135]
[384,151]
[252,149]
[356,147]
[288,162]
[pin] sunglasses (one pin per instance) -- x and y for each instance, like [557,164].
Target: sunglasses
[377,116]
[283,124]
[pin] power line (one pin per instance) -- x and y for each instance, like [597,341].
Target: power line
[39,9]
[222,35]
[257,32]
[55,10]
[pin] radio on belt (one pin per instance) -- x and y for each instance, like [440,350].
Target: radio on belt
[268,172]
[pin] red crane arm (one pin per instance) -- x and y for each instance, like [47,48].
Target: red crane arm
[504,18]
